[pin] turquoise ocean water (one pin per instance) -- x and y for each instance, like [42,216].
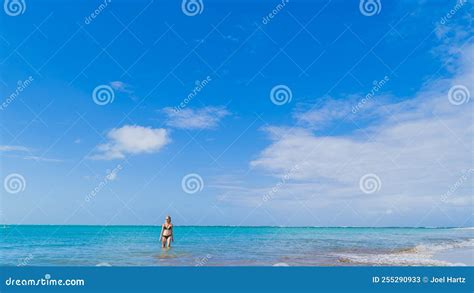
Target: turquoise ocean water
[234,246]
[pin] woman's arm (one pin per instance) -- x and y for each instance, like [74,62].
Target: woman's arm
[172,233]
[161,233]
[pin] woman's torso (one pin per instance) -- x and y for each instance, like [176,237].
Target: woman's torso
[167,230]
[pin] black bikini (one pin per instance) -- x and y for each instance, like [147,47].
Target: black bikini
[167,228]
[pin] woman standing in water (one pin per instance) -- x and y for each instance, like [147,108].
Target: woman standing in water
[166,235]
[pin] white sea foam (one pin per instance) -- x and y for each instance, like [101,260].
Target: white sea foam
[395,259]
[420,255]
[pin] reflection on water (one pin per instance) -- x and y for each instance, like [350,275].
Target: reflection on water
[167,253]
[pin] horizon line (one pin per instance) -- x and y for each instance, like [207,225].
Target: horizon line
[246,226]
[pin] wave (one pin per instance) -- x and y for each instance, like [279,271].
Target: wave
[395,260]
[443,246]
[281,264]
[420,255]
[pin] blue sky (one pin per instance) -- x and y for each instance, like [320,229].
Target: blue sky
[383,96]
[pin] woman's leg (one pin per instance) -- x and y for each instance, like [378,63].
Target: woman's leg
[169,241]
[163,242]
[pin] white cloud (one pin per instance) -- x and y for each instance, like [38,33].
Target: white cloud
[419,148]
[203,118]
[132,139]
[329,111]
[122,87]
[17,148]
[13,148]
[406,150]
[118,85]
[42,159]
